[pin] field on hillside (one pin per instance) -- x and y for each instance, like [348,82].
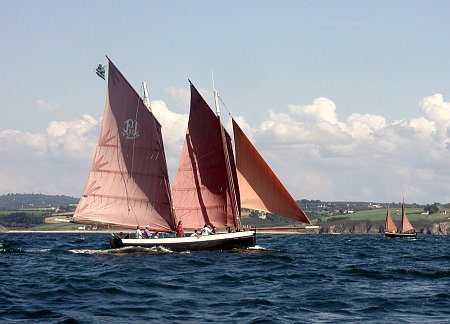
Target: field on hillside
[373,216]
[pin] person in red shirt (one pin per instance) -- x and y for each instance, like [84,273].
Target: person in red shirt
[180,230]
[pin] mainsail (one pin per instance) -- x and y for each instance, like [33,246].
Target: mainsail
[259,187]
[203,191]
[390,225]
[406,225]
[128,183]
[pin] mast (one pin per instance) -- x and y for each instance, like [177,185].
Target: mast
[234,202]
[216,96]
[406,225]
[147,103]
[146,97]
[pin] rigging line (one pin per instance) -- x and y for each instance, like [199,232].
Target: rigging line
[225,106]
[120,166]
[136,126]
[230,176]
[120,169]
[123,176]
[148,107]
[163,156]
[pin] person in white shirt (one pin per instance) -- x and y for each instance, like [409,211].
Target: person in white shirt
[138,233]
[196,233]
[206,230]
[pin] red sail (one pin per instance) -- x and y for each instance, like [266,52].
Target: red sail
[406,225]
[128,183]
[259,186]
[201,191]
[390,225]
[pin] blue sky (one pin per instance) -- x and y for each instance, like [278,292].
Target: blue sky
[272,60]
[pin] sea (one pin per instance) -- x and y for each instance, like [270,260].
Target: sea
[76,278]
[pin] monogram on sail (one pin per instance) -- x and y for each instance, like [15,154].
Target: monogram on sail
[128,185]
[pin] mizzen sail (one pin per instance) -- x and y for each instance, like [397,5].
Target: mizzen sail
[128,182]
[201,192]
[259,187]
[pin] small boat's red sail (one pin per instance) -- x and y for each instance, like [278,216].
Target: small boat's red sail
[259,187]
[390,225]
[202,193]
[406,225]
[128,183]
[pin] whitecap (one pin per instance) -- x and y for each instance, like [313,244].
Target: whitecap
[85,251]
[36,250]
[256,247]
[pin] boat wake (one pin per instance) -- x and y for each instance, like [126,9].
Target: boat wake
[250,249]
[257,248]
[36,250]
[87,251]
[124,250]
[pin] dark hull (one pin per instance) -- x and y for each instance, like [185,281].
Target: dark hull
[400,235]
[211,242]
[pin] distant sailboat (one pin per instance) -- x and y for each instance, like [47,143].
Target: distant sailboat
[391,230]
[128,185]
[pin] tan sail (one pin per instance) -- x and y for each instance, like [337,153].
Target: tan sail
[128,183]
[389,224]
[259,187]
[201,191]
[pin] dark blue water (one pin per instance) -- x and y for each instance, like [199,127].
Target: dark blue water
[75,278]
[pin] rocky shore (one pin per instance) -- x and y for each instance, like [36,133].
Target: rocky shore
[442,228]
[368,228]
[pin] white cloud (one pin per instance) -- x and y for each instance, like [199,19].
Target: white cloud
[52,162]
[436,109]
[321,110]
[72,137]
[181,97]
[362,126]
[316,155]
[365,157]
[243,125]
[173,129]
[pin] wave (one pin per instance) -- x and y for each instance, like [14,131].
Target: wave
[6,247]
[400,272]
[36,250]
[424,274]
[257,248]
[124,250]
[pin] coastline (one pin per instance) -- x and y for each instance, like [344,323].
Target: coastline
[284,232]
[57,232]
[441,228]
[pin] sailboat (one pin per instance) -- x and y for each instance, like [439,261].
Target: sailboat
[391,230]
[128,185]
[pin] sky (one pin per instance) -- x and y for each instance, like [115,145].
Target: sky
[346,100]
